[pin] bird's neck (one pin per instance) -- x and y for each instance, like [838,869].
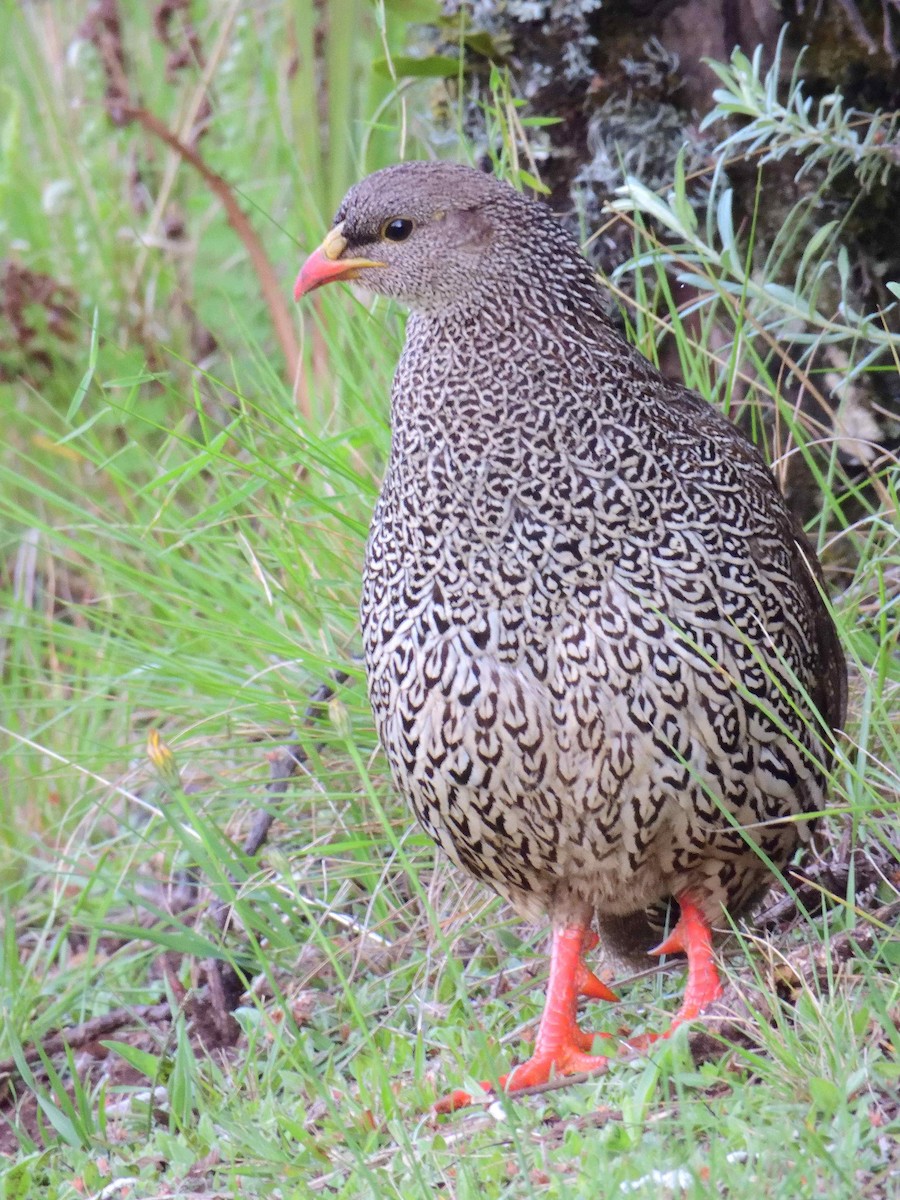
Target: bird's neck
[495,355]
[564,297]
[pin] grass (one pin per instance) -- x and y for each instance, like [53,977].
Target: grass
[182,531]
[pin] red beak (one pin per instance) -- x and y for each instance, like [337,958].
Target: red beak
[325,265]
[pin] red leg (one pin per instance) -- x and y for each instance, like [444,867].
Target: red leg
[691,936]
[561,1046]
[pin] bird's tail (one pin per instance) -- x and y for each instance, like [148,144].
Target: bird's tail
[627,940]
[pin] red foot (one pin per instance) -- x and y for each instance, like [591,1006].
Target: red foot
[691,936]
[561,1047]
[567,1060]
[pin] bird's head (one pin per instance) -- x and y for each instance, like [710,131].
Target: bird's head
[429,234]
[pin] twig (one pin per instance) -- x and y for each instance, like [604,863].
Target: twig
[289,762]
[270,284]
[812,887]
[89,1031]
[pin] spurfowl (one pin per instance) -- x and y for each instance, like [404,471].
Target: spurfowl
[598,655]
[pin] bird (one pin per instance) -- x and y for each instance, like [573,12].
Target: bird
[598,651]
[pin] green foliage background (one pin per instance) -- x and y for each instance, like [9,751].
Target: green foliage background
[181,529]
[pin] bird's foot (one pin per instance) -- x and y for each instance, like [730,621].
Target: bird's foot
[561,1047]
[572,1058]
[691,936]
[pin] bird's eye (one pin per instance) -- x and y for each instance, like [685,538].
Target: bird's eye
[397,230]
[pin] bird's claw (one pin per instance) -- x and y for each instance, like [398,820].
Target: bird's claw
[571,1059]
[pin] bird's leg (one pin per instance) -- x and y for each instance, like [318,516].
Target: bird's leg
[691,936]
[561,1047]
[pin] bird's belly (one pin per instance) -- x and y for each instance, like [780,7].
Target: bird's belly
[595,756]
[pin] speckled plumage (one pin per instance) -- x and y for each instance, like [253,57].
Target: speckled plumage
[592,631]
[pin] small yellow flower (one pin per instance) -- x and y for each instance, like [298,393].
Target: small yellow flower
[163,760]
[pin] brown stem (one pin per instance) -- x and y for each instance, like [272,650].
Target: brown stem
[270,285]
